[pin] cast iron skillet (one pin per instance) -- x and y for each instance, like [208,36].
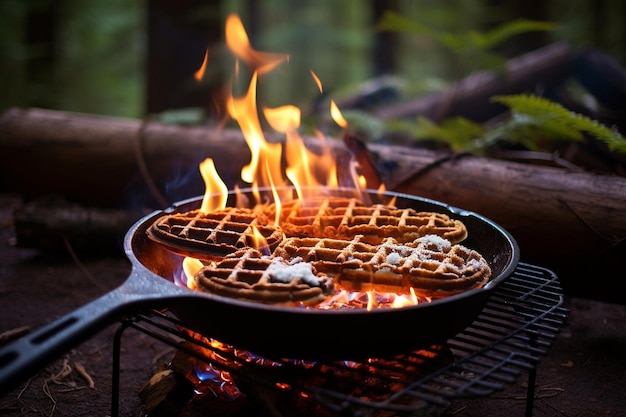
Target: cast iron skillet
[272,331]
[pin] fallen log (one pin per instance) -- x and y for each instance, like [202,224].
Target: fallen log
[107,161]
[113,162]
[570,221]
[53,225]
[536,70]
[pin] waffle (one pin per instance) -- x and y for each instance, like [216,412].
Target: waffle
[249,275]
[342,218]
[210,236]
[431,265]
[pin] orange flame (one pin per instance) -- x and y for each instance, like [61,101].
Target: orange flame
[239,44]
[259,242]
[200,73]
[304,169]
[405,300]
[216,192]
[265,167]
[300,162]
[362,181]
[190,267]
[335,113]
[317,81]
[371,301]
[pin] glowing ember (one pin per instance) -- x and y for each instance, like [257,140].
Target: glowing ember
[384,376]
[371,300]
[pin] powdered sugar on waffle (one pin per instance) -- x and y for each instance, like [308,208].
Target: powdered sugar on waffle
[438,242]
[430,264]
[283,271]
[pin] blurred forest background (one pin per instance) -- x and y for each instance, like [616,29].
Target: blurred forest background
[134,58]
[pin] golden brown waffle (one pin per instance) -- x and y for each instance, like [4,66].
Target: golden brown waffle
[247,274]
[213,235]
[343,218]
[431,265]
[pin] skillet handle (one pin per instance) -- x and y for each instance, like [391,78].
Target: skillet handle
[25,357]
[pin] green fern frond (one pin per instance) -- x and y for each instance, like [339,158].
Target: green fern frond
[473,40]
[394,22]
[495,37]
[555,121]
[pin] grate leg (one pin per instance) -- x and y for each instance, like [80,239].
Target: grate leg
[115,372]
[532,378]
[530,392]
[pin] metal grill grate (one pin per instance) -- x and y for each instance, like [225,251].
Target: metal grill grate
[517,326]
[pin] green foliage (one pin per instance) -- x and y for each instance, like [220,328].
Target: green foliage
[392,21]
[459,133]
[535,122]
[368,127]
[536,118]
[472,47]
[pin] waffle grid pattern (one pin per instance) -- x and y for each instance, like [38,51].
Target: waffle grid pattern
[430,265]
[247,274]
[213,235]
[346,218]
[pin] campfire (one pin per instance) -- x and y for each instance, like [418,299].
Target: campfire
[231,381]
[306,234]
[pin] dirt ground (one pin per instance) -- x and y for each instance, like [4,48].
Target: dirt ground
[582,374]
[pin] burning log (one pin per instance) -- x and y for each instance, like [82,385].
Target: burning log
[165,394]
[568,221]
